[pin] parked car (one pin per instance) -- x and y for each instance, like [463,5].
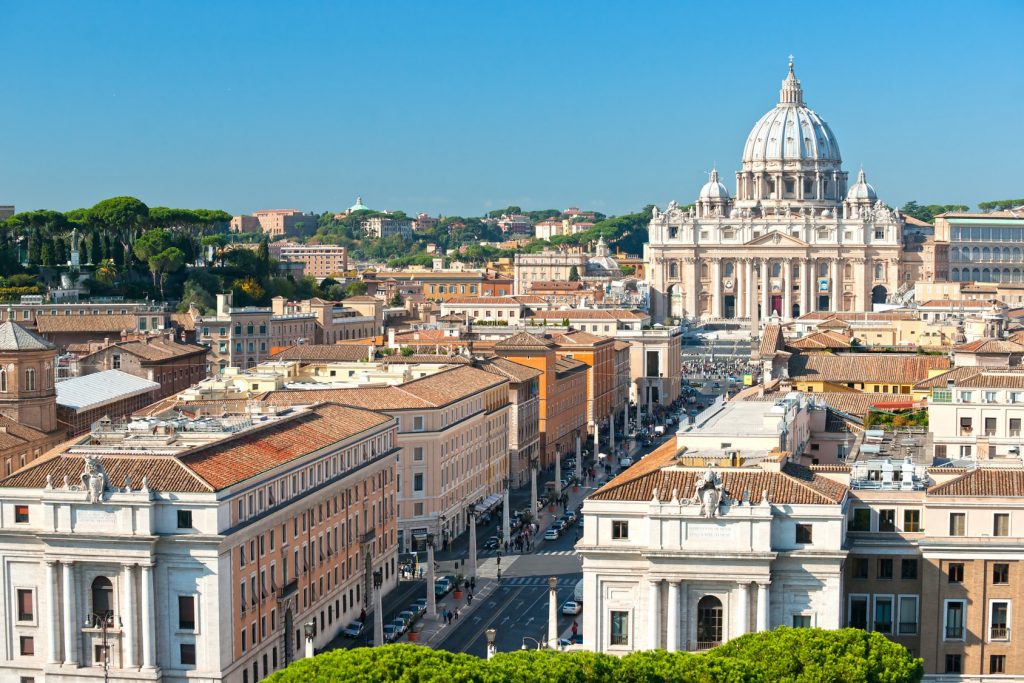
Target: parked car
[491,543]
[571,516]
[390,634]
[625,462]
[571,607]
[552,534]
[570,463]
[420,605]
[353,630]
[409,616]
[442,586]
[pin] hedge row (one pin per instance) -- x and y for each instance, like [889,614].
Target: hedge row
[781,656]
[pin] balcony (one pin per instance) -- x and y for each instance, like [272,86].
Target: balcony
[999,633]
[908,629]
[954,633]
[703,645]
[288,589]
[883,626]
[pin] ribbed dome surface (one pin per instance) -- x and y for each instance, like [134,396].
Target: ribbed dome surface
[861,190]
[714,188]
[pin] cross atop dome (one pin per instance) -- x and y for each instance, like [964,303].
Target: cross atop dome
[791,92]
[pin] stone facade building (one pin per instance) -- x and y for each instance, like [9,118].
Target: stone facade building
[794,239]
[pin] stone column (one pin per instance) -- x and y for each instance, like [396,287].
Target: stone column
[765,288]
[653,614]
[148,635]
[716,288]
[805,293]
[751,288]
[840,266]
[738,291]
[553,613]
[471,520]
[611,433]
[691,281]
[862,285]
[128,618]
[53,628]
[533,492]
[70,616]
[833,298]
[762,607]
[742,610]
[673,617]
[787,289]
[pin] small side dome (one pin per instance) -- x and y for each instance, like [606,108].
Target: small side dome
[825,213]
[861,191]
[713,189]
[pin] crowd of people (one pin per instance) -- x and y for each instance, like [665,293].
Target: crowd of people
[719,369]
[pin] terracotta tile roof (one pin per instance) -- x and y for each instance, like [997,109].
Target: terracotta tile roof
[113,323]
[830,468]
[217,466]
[956,303]
[987,345]
[866,316]
[510,369]
[984,481]
[940,381]
[14,434]
[621,345]
[439,358]
[579,338]
[821,340]
[588,314]
[158,349]
[323,352]
[567,365]
[231,406]
[771,341]
[865,367]
[517,300]
[557,285]
[524,340]
[1017,336]
[183,320]
[991,378]
[433,391]
[856,403]
[794,485]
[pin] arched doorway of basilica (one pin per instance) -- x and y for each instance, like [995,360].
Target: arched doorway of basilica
[675,301]
[729,306]
[709,622]
[879,294]
[796,311]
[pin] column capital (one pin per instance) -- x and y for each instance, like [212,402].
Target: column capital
[67,563]
[675,582]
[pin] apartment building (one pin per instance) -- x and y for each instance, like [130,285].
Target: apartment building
[319,260]
[238,337]
[300,500]
[545,266]
[598,354]
[387,226]
[157,358]
[524,415]
[278,223]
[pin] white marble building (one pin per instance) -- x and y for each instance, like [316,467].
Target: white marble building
[794,239]
[686,550]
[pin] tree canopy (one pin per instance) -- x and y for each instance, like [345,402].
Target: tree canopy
[928,212]
[1000,204]
[785,655]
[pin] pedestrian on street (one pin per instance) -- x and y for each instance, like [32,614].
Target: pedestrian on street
[456,615]
[472,583]
[469,599]
[575,629]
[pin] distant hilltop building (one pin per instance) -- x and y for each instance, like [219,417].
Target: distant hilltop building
[358,206]
[794,239]
[276,223]
[6,211]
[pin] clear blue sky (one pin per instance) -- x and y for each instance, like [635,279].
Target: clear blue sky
[461,107]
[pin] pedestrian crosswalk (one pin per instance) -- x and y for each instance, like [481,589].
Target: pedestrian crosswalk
[535,582]
[557,552]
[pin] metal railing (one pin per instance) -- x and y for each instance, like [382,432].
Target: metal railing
[955,632]
[999,633]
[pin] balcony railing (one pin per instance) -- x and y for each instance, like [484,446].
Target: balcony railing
[999,633]
[883,626]
[955,632]
[702,645]
[908,629]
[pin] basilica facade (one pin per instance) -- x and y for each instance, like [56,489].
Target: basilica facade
[796,237]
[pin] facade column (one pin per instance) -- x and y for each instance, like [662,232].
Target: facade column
[148,639]
[53,628]
[611,433]
[672,643]
[70,616]
[716,288]
[751,293]
[742,610]
[471,520]
[840,285]
[765,288]
[597,437]
[128,618]
[787,289]
[691,281]
[805,293]
[862,286]
[653,615]
[833,298]
[738,289]
[762,607]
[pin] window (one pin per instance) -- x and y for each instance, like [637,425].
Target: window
[861,520]
[30,380]
[954,619]
[908,615]
[801,621]
[27,646]
[908,569]
[885,568]
[953,664]
[990,426]
[997,664]
[21,514]
[887,520]
[417,453]
[102,597]
[25,607]
[912,521]
[417,509]
[999,620]
[860,567]
[620,628]
[187,612]
[1014,426]
[1001,573]
[188,654]
[883,614]
[116,361]
[620,530]
[1001,524]
[417,481]
[417,423]
[858,612]
[955,572]
[184,519]
[804,533]
[957,523]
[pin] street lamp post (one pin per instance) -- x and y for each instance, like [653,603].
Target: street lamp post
[471,521]
[378,617]
[611,433]
[491,634]
[506,523]
[309,628]
[579,457]
[431,597]
[558,473]
[103,622]
[540,645]
[597,442]
[533,488]
[552,612]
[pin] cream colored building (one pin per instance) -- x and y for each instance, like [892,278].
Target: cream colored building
[794,239]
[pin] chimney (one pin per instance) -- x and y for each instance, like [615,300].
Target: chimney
[223,303]
[391,338]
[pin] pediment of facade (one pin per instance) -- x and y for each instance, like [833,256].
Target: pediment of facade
[777,238]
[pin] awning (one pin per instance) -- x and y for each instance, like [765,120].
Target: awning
[488,503]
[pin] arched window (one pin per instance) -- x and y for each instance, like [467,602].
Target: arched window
[30,379]
[730,268]
[955,274]
[823,269]
[976,275]
[3,380]
[879,271]
[976,254]
[1006,253]
[986,254]
[709,622]
[704,272]
[1006,275]
[102,598]
[848,271]
[1016,274]
[249,329]
[1016,254]
[673,270]
[986,275]
[776,269]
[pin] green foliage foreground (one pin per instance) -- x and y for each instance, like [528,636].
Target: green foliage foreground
[781,656]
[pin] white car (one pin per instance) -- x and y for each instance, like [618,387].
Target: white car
[571,607]
[552,534]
